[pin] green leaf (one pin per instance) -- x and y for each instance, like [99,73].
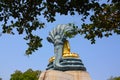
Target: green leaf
[1,18]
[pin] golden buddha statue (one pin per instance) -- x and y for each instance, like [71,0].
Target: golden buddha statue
[66,52]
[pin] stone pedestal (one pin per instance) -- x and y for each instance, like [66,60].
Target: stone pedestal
[68,64]
[64,75]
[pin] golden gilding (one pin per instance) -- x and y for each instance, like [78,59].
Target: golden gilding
[66,52]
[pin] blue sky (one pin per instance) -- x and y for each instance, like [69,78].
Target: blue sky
[100,59]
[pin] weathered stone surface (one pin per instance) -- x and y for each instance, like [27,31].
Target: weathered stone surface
[66,75]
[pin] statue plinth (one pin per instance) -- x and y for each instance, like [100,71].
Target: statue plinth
[64,75]
[68,64]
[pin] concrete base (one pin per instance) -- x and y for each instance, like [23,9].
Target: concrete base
[66,75]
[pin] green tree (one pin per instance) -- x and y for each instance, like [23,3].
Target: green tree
[23,15]
[17,75]
[0,78]
[27,75]
[114,78]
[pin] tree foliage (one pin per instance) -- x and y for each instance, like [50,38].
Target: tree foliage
[114,78]
[27,75]
[23,15]
[104,22]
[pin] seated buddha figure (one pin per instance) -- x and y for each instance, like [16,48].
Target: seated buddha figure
[66,52]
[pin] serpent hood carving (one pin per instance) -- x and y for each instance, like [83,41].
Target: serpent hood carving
[57,36]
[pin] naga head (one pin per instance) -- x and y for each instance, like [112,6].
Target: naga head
[60,33]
